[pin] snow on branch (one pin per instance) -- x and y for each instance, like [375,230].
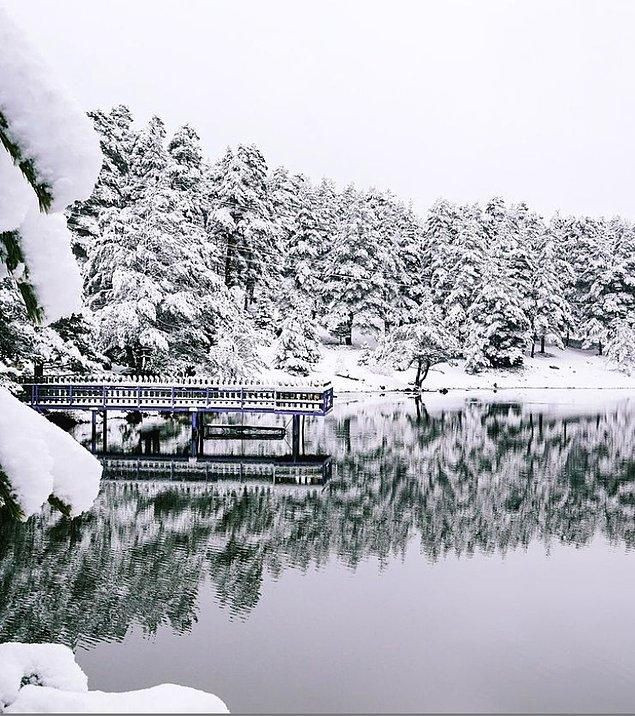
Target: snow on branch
[40,462]
[47,136]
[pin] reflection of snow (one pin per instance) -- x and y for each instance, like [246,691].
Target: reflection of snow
[482,477]
[45,678]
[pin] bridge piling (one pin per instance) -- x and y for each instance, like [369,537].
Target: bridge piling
[194,434]
[93,431]
[296,432]
[104,431]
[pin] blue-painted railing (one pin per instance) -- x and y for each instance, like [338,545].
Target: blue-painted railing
[184,395]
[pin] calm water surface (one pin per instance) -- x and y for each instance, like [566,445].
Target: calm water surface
[450,556]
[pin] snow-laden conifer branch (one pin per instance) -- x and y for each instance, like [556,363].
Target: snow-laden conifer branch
[26,166]
[48,158]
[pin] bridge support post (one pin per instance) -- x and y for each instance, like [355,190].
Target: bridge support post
[104,431]
[296,431]
[201,432]
[196,436]
[93,431]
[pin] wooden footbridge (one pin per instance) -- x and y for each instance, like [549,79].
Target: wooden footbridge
[146,393]
[197,396]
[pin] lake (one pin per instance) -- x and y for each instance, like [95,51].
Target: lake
[450,554]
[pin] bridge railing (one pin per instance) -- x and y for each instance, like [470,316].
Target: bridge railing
[292,399]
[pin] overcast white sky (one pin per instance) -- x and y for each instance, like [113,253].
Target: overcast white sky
[533,99]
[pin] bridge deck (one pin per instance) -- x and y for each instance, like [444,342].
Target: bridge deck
[187,396]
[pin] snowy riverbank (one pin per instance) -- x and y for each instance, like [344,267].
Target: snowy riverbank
[557,369]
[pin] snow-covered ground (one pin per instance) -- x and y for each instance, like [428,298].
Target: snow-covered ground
[45,678]
[570,368]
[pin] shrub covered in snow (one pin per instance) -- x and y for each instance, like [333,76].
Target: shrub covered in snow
[297,349]
[621,346]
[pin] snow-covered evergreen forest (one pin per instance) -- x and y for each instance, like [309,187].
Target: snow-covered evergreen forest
[195,266]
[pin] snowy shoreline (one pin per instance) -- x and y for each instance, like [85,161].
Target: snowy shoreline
[569,369]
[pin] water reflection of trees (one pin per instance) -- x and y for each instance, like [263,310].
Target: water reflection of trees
[488,477]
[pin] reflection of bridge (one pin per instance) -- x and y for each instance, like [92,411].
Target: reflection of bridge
[277,470]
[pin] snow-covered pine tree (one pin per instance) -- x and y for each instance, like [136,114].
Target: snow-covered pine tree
[495,220]
[134,264]
[116,139]
[620,348]
[579,239]
[499,328]
[551,314]
[328,210]
[186,168]
[409,247]
[243,221]
[441,227]
[286,194]
[353,286]
[519,239]
[297,348]
[302,250]
[607,280]
[466,258]
[199,306]
[387,214]
[423,340]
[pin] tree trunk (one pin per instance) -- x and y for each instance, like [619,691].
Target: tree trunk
[600,348]
[130,357]
[568,338]
[533,346]
[427,370]
[348,335]
[420,378]
[542,343]
[229,256]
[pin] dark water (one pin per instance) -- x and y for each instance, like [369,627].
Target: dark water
[452,556]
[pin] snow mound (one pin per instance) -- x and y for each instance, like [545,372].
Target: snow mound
[41,460]
[45,678]
[53,272]
[48,665]
[165,698]
[50,129]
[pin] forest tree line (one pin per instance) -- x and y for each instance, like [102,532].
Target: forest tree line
[191,265]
